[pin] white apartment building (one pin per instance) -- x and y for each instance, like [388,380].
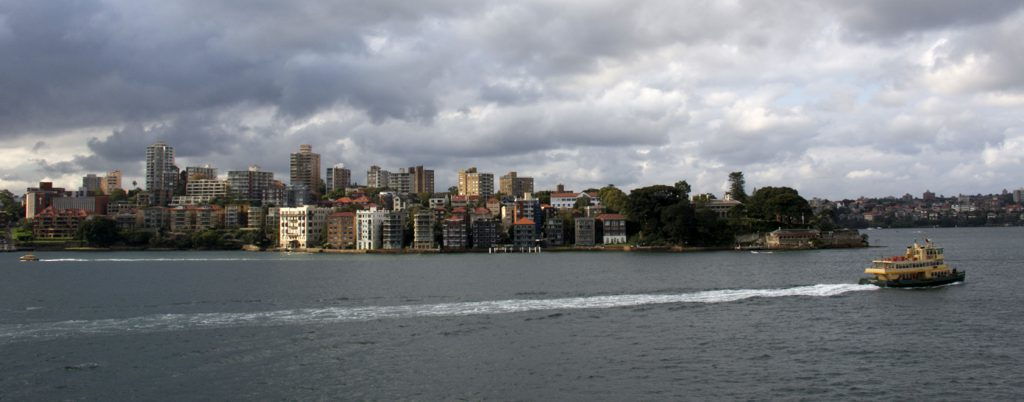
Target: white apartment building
[568,200]
[369,228]
[302,227]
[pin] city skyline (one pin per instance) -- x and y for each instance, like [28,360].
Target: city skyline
[836,100]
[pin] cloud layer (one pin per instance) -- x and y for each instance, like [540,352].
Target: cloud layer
[838,99]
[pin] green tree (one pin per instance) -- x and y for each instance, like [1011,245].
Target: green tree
[207,239]
[137,237]
[737,186]
[10,211]
[684,189]
[778,207]
[335,194]
[645,207]
[99,232]
[613,199]
[118,195]
[678,223]
[581,203]
[710,230]
[543,196]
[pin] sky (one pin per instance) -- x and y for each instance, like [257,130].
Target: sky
[837,99]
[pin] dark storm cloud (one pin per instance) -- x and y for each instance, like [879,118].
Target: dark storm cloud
[888,19]
[578,92]
[194,135]
[80,63]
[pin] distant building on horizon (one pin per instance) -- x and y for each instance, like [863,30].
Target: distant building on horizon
[512,185]
[205,172]
[400,182]
[474,183]
[250,185]
[377,177]
[338,177]
[305,170]
[422,180]
[111,182]
[91,183]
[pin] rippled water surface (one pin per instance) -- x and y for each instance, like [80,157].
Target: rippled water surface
[608,326]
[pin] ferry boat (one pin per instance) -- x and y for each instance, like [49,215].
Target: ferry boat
[920,266]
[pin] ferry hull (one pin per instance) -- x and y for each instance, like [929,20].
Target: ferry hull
[915,283]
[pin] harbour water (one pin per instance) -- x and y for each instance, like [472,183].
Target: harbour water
[605,326]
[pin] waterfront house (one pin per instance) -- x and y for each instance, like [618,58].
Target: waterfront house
[792,238]
[369,228]
[485,233]
[456,234]
[524,233]
[393,230]
[341,230]
[613,228]
[423,230]
[586,231]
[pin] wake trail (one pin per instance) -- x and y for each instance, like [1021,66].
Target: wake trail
[327,315]
[149,259]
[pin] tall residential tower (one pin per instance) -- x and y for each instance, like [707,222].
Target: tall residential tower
[161,173]
[305,170]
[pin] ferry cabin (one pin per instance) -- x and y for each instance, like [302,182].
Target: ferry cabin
[919,262]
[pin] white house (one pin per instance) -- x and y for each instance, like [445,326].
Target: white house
[568,200]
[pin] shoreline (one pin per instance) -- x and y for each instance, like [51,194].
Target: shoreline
[411,251]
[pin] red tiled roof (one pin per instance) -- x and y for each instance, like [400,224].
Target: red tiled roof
[343,200]
[51,211]
[481,211]
[564,195]
[361,200]
[524,221]
[605,217]
[459,210]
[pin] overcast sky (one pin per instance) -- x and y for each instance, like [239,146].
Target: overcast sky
[835,98]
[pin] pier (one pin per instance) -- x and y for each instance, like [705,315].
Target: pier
[505,248]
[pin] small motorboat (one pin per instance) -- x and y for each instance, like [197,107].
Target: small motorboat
[28,258]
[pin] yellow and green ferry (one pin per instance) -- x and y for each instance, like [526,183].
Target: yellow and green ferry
[920,266]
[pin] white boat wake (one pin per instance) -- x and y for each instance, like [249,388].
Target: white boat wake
[176,322]
[149,259]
